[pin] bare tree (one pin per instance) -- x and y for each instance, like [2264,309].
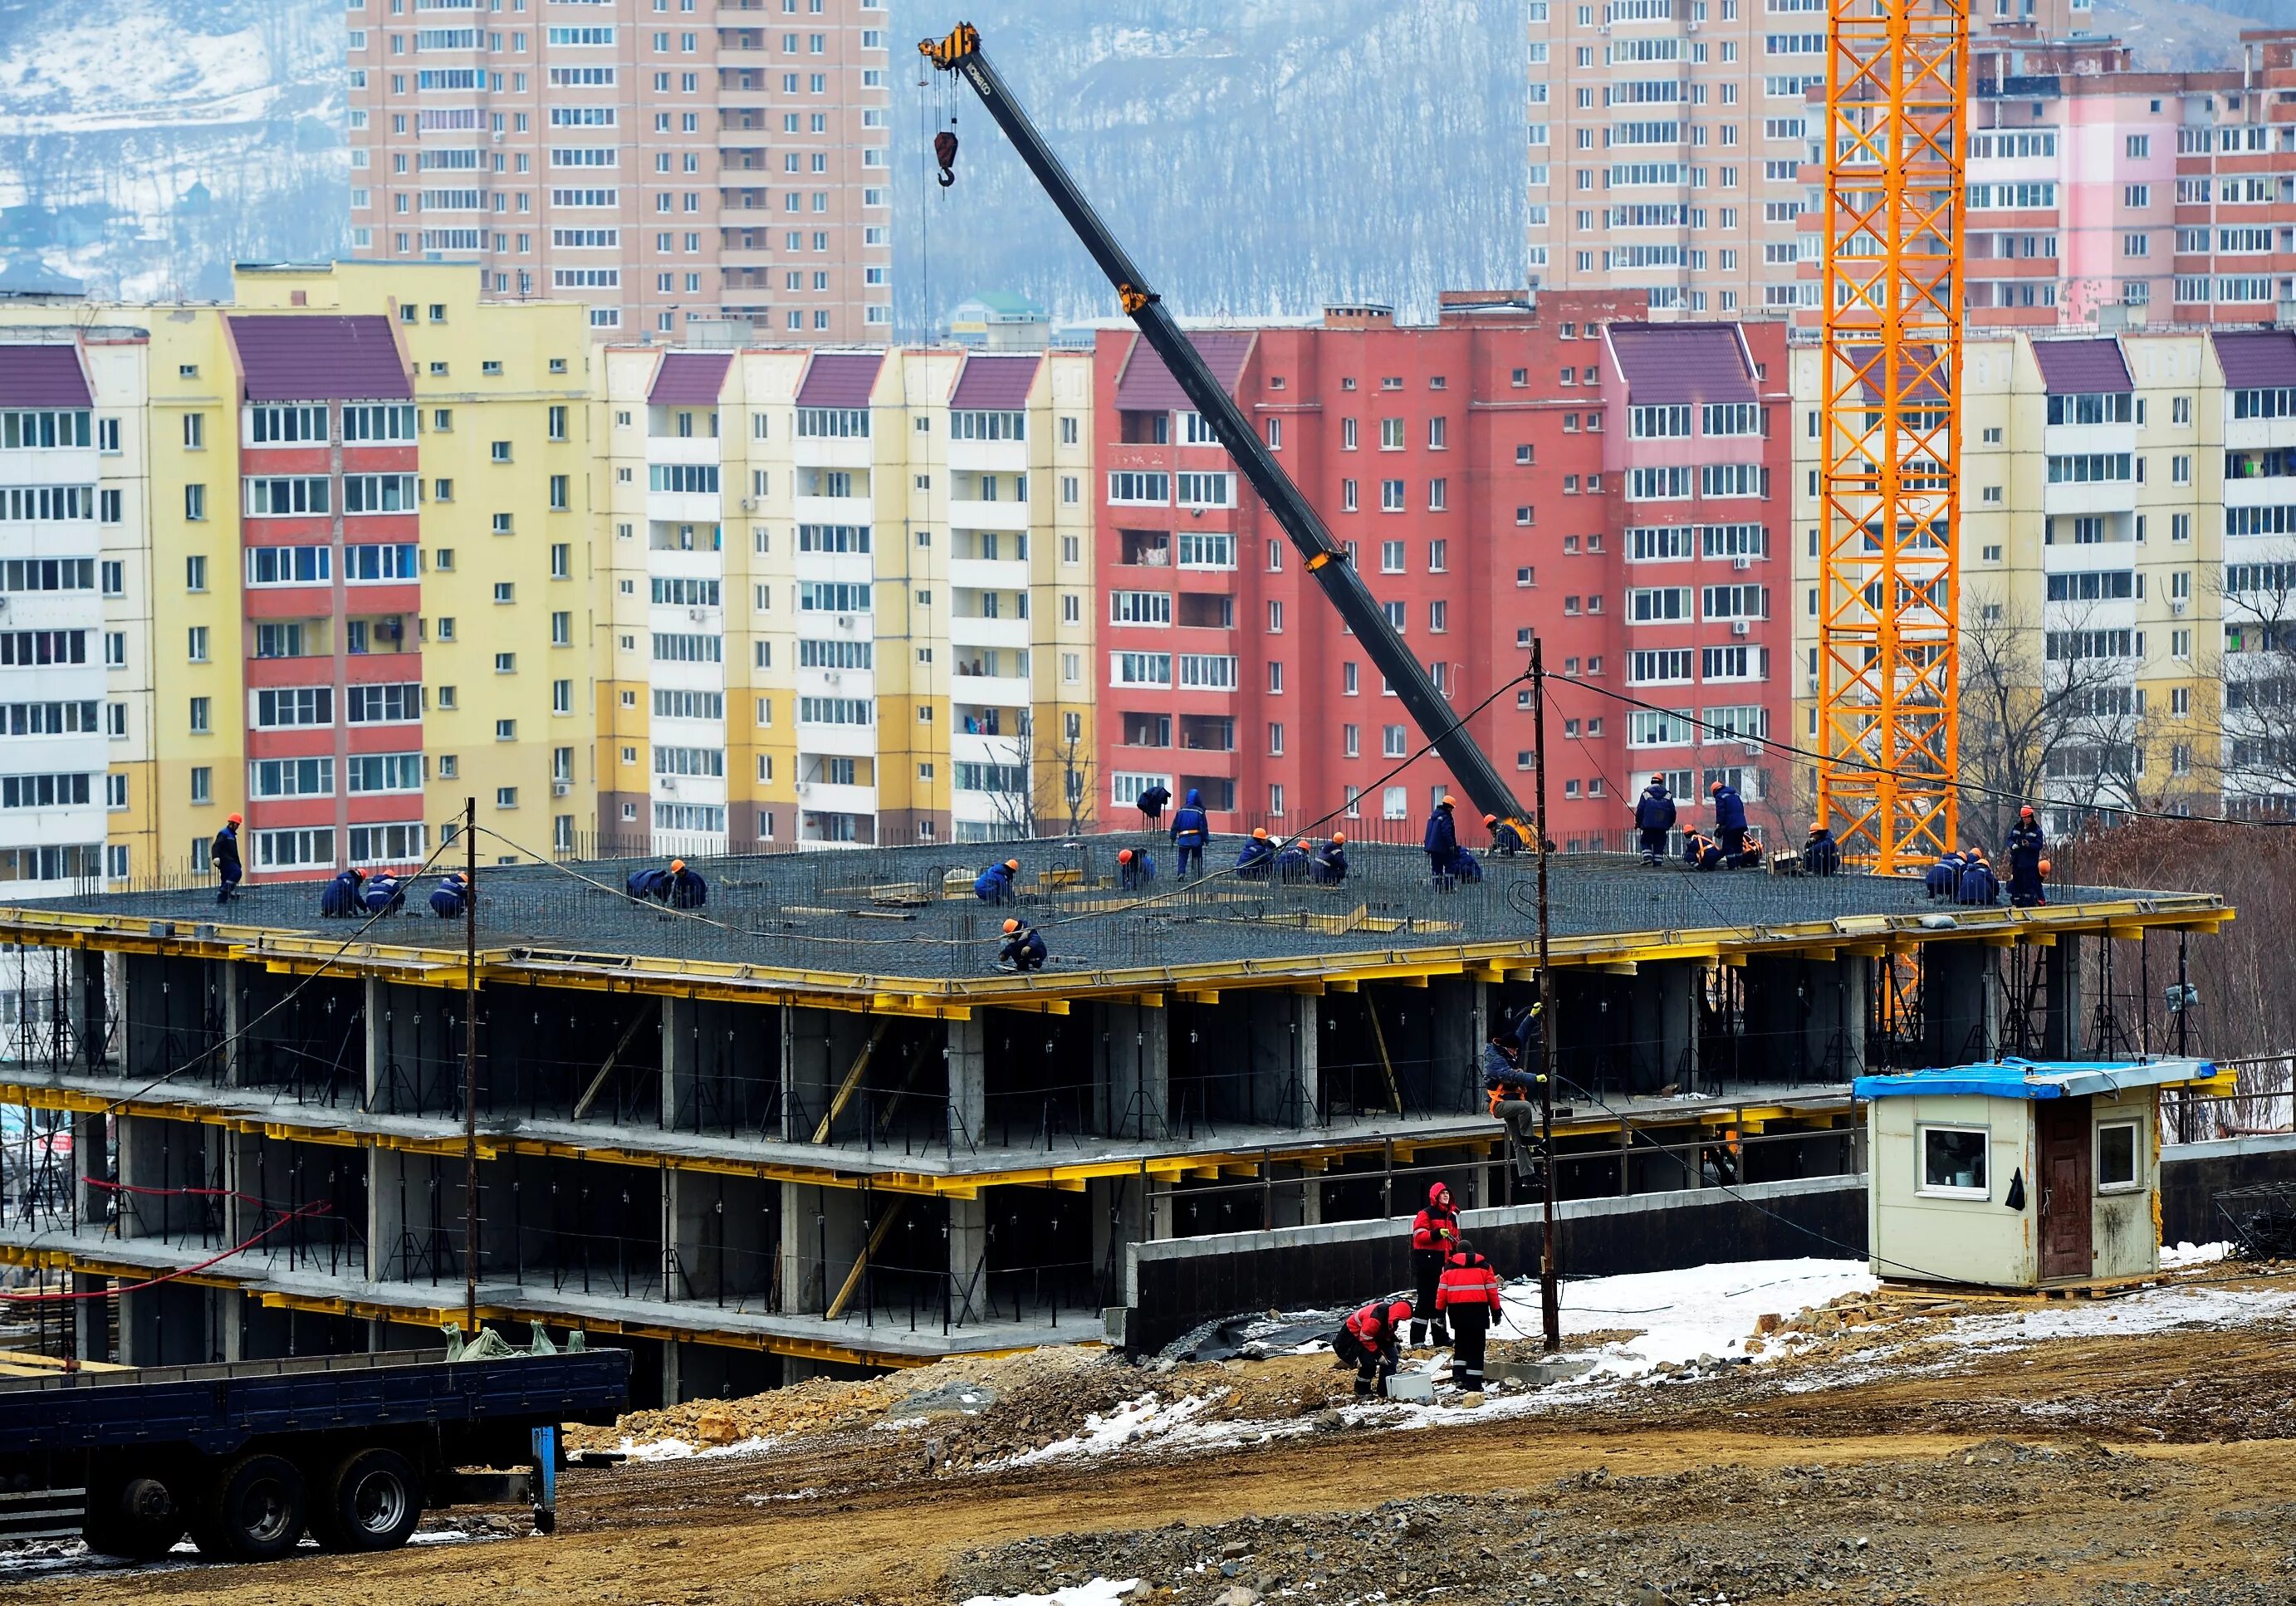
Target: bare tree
[2251,742]
[1044,790]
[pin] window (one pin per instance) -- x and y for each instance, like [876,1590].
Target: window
[1390,496]
[1953,1162]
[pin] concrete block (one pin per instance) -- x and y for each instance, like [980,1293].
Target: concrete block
[1412,1388]
[1537,1373]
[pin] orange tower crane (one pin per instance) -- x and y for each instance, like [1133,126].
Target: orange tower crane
[1896,74]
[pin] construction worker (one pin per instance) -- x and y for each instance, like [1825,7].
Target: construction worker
[1258,856]
[1653,818]
[384,894]
[1190,831]
[1821,855]
[688,889]
[341,897]
[451,899]
[1150,804]
[1291,861]
[1729,819]
[223,853]
[2026,845]
[1434,1231]
[1749,855]
[1506,837]
[1331,865]
[1701,851]
[1468,1293]
[995,885]
[1510,1074]
[1024,947]
[1134,869]
[1978,885]
[1944,878]
[1368,1339]
[1442,842]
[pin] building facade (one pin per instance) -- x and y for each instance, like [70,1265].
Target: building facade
[671,170]
[847,597]
[345,536]
[1671,145]
[1483,473]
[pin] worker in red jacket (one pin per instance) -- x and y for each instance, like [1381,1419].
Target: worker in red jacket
[1468,1293]
[1434,1232]
[1369,1338]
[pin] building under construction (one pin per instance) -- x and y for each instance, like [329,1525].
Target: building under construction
[814,1123]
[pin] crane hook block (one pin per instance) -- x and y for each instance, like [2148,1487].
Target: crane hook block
[944,153]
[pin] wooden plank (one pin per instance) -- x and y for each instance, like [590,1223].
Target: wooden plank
[1386,1065]
[607,1070]
[861,1262]
[852,1082]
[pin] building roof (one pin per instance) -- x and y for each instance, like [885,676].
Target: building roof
[840,378]
[1675,362]
[2082,367]
[1919,358]
[1147,386]
[689,379]
[319,356]
[45,375]
[2255,358]
[2034,1079]
[1004,306]
[995,381]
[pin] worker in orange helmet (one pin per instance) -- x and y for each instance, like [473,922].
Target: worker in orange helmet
[997,884]
[2026,845]
[1330,866]
[1024,947]
[1134,868]
[1821,855]
[1729,821]
[1654,817]
[1506,839]
[223,853]
[1258,856]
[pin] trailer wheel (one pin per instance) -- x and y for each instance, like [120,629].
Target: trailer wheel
[371,1499]
[138,1519]
[253,1511]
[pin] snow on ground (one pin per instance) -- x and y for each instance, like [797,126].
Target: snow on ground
[1132,1422]
[1706,1310]
[2193,1254]
[678,1449]
[1100,1592]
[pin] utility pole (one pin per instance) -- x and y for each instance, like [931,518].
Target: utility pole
[471,1067]
[1550,1294]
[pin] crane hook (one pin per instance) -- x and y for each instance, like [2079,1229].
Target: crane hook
[944,153]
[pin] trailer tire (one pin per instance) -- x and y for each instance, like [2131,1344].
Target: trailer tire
[369,1500]
[138,1519]
[253,1511]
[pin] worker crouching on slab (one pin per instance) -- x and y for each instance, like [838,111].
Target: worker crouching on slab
[678,887]
[451,898]
[1024,947]
[1134,868]
[1370,1341]
[1331,865]
[1257,857]
[995,884]
[344,896]
[1468,1293]
[1434,1232]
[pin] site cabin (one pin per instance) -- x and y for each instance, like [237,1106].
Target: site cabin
[2017,1174]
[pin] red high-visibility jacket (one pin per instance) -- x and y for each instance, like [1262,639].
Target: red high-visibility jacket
[1467,1280]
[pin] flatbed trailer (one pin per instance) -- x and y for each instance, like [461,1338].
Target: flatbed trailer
[246,1456]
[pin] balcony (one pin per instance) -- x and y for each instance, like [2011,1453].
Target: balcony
[836,740]
[988,456]
[828,797]
[832,510]
[971,630]
[1000,515]
[988,574]
[1002,690]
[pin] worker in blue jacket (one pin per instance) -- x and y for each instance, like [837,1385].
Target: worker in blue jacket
[1441,842]
[2026,845]
[1024,947]
[1331,861]
[688,889]
[450,900]
[1943,880]
[1654,815]
[1729,820]
[1506,837]
[1190,831]
[1134,868]
[1291,861]
[223,854]
[341,897]
[651,883]
[1821,855]
[1258,856]
[1979,884]
[1701,851]
[385,894]
[995,885]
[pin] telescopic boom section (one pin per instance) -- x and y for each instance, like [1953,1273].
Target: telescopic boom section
[1326,559]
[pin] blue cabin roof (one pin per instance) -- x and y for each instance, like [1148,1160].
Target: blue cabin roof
[2016,1078]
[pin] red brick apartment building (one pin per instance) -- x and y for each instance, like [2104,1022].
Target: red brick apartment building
[1560,467]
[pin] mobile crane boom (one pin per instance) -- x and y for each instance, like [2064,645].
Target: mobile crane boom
[1326,559]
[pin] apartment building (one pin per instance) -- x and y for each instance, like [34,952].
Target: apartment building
[847,597]
[1512,469]
[345,534]
[674,168]
[1669,144]
[2129,522]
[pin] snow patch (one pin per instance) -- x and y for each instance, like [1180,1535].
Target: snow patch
[2193,1254]
[678,1449]
[1705,1310]
[1100,1592]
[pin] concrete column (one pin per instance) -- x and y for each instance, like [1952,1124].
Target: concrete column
[1135,1072]
[1960,1009]
[1462,1024]
[968,1086]
[2064,1027]
[1836,1027]
[820,1241]
[85,983]
[1119,1219]
[681,1069]
[968,1259]
[1663,1028]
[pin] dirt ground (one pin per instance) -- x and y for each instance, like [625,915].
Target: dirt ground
[1876,1466]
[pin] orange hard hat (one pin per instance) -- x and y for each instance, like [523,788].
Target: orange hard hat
[2045,867]
[1339,839]
[1259,833]
[1658,780]
[235,819]
[1123,855]
[1448,799]
[676,866]
[1713,787]
[2025,813]
[1012,863]
[1490,819]
[1011,926]
[1816,826]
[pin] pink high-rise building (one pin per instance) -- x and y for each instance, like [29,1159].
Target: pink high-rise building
[674,163]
